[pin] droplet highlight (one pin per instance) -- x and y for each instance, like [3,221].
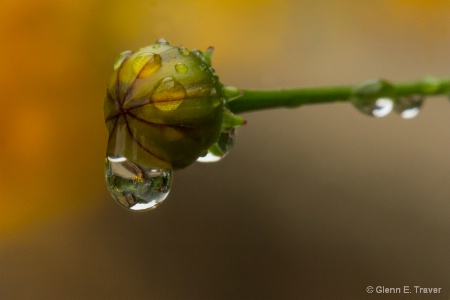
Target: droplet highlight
[375,107]
[169,94]
[409,107]
[184,51]
[134,187]
[383,106]
[162,41]
[181,68]
[221,148]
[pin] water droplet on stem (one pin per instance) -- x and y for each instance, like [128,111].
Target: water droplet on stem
[374,107]
[409,107]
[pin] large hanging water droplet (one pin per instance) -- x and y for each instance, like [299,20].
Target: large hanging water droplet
[221,148]
[135,187]
[374,107]
[169,94]
[409,107]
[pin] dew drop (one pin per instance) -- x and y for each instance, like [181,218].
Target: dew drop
[221,148]
[135,187]
[181,68]
[184,51]
[374,107]
[409,107]
[162,41]
[169,94]
[140,61]
[152,65]
[119,60]
[197,53]
[383,106]
[209,157]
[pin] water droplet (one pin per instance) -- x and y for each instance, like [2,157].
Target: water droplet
[140,61]
[213,92]
[221,148]
[162,41]
[383,106]
[134,187]
[209,157]
[152,64]
[184,51]
[119,60]
[374,107]
[181,68]
[169,94]
[156,46]
[197,53]
[408,107]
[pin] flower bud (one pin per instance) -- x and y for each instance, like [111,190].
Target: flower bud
[164,106]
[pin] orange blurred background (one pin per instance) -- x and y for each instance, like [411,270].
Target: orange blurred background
[317,202]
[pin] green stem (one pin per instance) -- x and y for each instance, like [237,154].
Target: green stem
[252,100]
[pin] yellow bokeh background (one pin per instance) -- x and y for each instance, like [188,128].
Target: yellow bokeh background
[322,173]
[57,58]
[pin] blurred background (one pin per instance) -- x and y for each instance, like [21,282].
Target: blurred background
[313,203]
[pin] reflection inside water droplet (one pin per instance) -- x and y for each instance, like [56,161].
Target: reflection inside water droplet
[135,187]
[221,148]
[409,107]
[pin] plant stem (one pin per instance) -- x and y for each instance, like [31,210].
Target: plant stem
[252,100]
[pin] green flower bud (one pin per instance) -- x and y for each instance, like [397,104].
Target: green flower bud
[164,106]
